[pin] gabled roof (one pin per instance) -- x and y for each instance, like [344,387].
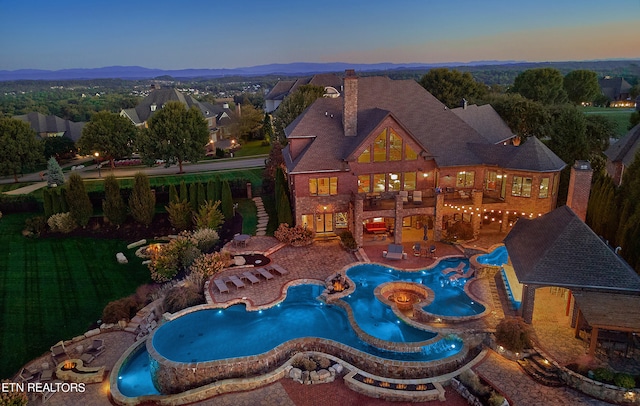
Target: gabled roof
[612,88]
[559,249]
[531,155]
[486,121]
[625,149]
[158,98]
[52,124]
[285,87]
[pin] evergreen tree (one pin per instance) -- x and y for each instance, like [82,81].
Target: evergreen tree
[267,128]
[78,200]
[211,191]
[56,206]
[202,197]
[142,201]
[54,173]
[218,189]
[193,196]
[113,204]
[227,201]
[184,195]
[284,209]
[173,194]
[64,207]
[179,214]
[47,202]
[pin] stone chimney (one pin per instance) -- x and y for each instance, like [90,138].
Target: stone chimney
[579,188]
[350,107]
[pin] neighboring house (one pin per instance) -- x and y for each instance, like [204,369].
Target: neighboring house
[617,91]
[285,87]
[52,126]
[388,151]
[621,154]
[486,121]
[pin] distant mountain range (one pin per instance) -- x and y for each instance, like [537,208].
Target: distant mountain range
[298,68]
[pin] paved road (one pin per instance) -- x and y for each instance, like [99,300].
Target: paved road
[91,171]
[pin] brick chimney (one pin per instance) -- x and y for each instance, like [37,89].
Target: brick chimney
[350,107]
[579,188]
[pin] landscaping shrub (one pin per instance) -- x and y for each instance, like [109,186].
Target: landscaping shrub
[170,258]
[179,214]
[54,173]
[205,238]
[113,204]
[226,201]
[603,375]
[496,399]
[47,203]
[12,398]
[305,363]
[184,194]
[142,202]
[513,334]
[460,230]
[297,236]
[78,200]
[121,309]
[34,226]
[181,297]
[472,382]
[347,240]
[18,203]
[323,362]
[624,381]
[62,223]
[207,265]
[193,196]
[173,194]
[208,216]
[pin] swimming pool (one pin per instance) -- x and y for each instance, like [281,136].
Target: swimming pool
[211,335]
[496,257]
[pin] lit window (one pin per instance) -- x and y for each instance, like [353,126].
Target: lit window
[379,182]
[313,186]
[333,186]
[409,153]
[521,186]
[395,146]
[491,180]
[544,188]
[341,220]
[365,157]
[409,181]
[394,182]
[380,147]
[465,179]
[364,184]
[323,186]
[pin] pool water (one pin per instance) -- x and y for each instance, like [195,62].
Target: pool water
[215,334]
[496,257]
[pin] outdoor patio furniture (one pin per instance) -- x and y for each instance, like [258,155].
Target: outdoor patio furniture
[432,251]
[236,281]
[417,197]
[394,251]
[46,375]
[241,240]
[264,273]
[221,285]
[416,249]
[278,269]
[250,277]
[458,270]
[58,352]
[96,348]
[26,376]
[405,196]
[87,358]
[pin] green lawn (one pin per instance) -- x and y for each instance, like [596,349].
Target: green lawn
[247,208]
[53,289]
[252,148]
[618,115]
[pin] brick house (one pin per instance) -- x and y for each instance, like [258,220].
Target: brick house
[621,154]
[386,154]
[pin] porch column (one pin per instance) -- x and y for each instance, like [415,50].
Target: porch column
[358,207]
[437,221]
[505,222]
[476,219]
[399,211]
[528,302]
[594,341]
[576,330]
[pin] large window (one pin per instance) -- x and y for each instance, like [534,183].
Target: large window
[395,146]
[409,153]
[341,220]
[491,180]
[521,186]
[465,179]
[364,184]
[379,182]
[380,147]
[394,182]
[323,186]
[365,157]
[544,188]
[409,181]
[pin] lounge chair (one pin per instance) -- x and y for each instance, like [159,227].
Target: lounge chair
[59,353]
[458,270]
[394,251]
[221,285]
[250,277]
[278,269]
[264,273]
[87,358]
[405,196]
[432,251]
[236,281]
[46,375]
[417,197]
[416,249]
[26,376]
[465,275]
[97,347]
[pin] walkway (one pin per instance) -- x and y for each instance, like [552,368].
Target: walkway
[263,217]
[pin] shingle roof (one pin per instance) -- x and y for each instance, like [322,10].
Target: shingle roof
[613,87]
[52,124]
[625,149]
[280,90]
[486,121]
[559,249]
[440,132]
[285,87]
[142,112]
[531,155]
[603,310]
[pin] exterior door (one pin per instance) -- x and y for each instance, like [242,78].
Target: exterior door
[324,222]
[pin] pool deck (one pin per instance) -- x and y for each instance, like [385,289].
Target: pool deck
[318,262]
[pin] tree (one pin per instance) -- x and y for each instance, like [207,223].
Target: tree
[634,119]
[47,203]
[208,216]
[21,150]
[202,197]
[179,214]
[109,134]
[59,147]
[142,201]
[452,86]
[113,204]
[248,125]
[272,163]
[227,201]
[175,135]
[267,128]
[184,193]
[526,118]
[545,85]
[173,194]
[581,86]
[55,176]
[292,106]
[78,200]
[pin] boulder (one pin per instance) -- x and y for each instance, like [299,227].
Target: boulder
[136,244]
[324,375]
[313,375]
[92,333]
[338,368]
[295,374]
[121,258]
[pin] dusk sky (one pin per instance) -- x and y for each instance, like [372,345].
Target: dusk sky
[45,34]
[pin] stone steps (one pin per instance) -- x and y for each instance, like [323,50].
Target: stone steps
[541,370]
[263,216]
